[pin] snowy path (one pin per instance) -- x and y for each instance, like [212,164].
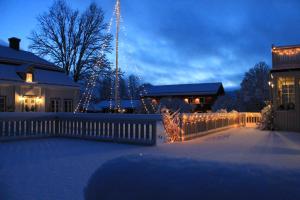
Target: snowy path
[61,168]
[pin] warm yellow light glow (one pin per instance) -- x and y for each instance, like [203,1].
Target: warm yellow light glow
[197,101]
[38,99]
[29,77]
[286,52]
[186,100]
[21,98]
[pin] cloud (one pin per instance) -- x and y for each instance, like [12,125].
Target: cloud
[177,41]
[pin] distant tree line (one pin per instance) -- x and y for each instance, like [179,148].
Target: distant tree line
[253,94]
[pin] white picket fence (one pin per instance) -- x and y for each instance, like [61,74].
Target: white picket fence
[122,128]
[137,129]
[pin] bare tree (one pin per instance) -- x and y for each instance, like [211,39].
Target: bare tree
[75,41]
[133,85]
[254,88]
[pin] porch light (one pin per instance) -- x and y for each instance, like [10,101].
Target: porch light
[186,100]
[21,98]
[38,99]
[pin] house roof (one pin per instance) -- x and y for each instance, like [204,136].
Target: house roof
[124,104]
[9,73]
[185,90]
[13,62]
[12,56]
[286,46]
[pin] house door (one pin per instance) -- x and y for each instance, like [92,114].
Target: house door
[30,104]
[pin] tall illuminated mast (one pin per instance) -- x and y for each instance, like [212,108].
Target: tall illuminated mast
[118,14]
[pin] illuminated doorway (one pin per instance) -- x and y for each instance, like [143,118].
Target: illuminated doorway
[30,104]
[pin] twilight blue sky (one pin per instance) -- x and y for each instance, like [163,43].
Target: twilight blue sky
[182,41]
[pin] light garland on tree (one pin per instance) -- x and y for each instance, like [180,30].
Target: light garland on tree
[88,91]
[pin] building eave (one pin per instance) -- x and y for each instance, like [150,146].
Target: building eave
[18,82]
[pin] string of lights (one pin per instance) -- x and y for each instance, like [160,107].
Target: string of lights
[286,52]
[85,99]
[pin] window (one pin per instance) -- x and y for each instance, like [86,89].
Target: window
[29,77]
[202,100]
[55,105]
[186,100]
[2,104]
[197,101]
[286,93]
[68,105]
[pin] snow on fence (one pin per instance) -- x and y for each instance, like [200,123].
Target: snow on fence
[195,125]
[137,129]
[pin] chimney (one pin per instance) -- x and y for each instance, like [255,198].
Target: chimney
[14,43]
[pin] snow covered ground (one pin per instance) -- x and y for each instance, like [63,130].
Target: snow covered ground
[237,163]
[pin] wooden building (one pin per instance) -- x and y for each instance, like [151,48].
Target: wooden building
[29,83]
[285,87]
[202,95]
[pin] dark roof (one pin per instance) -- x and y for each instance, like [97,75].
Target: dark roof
[274,70]
[12,56]
[124,104]
[286,46]
[185,89]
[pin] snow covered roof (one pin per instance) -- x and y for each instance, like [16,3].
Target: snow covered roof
[185,89]
[10,55]
[53,78]
[9,73]
[124,104]
[14,62]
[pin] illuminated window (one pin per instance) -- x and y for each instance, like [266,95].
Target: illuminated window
[154,101]
[29,77]
[186,100]
[286,92]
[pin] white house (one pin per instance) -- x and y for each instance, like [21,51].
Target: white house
[29,83]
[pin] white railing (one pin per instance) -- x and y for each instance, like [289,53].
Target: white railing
[138,129]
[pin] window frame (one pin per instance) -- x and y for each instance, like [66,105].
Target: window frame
[56,107]
[4,104]
[70,107]
[286,92]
